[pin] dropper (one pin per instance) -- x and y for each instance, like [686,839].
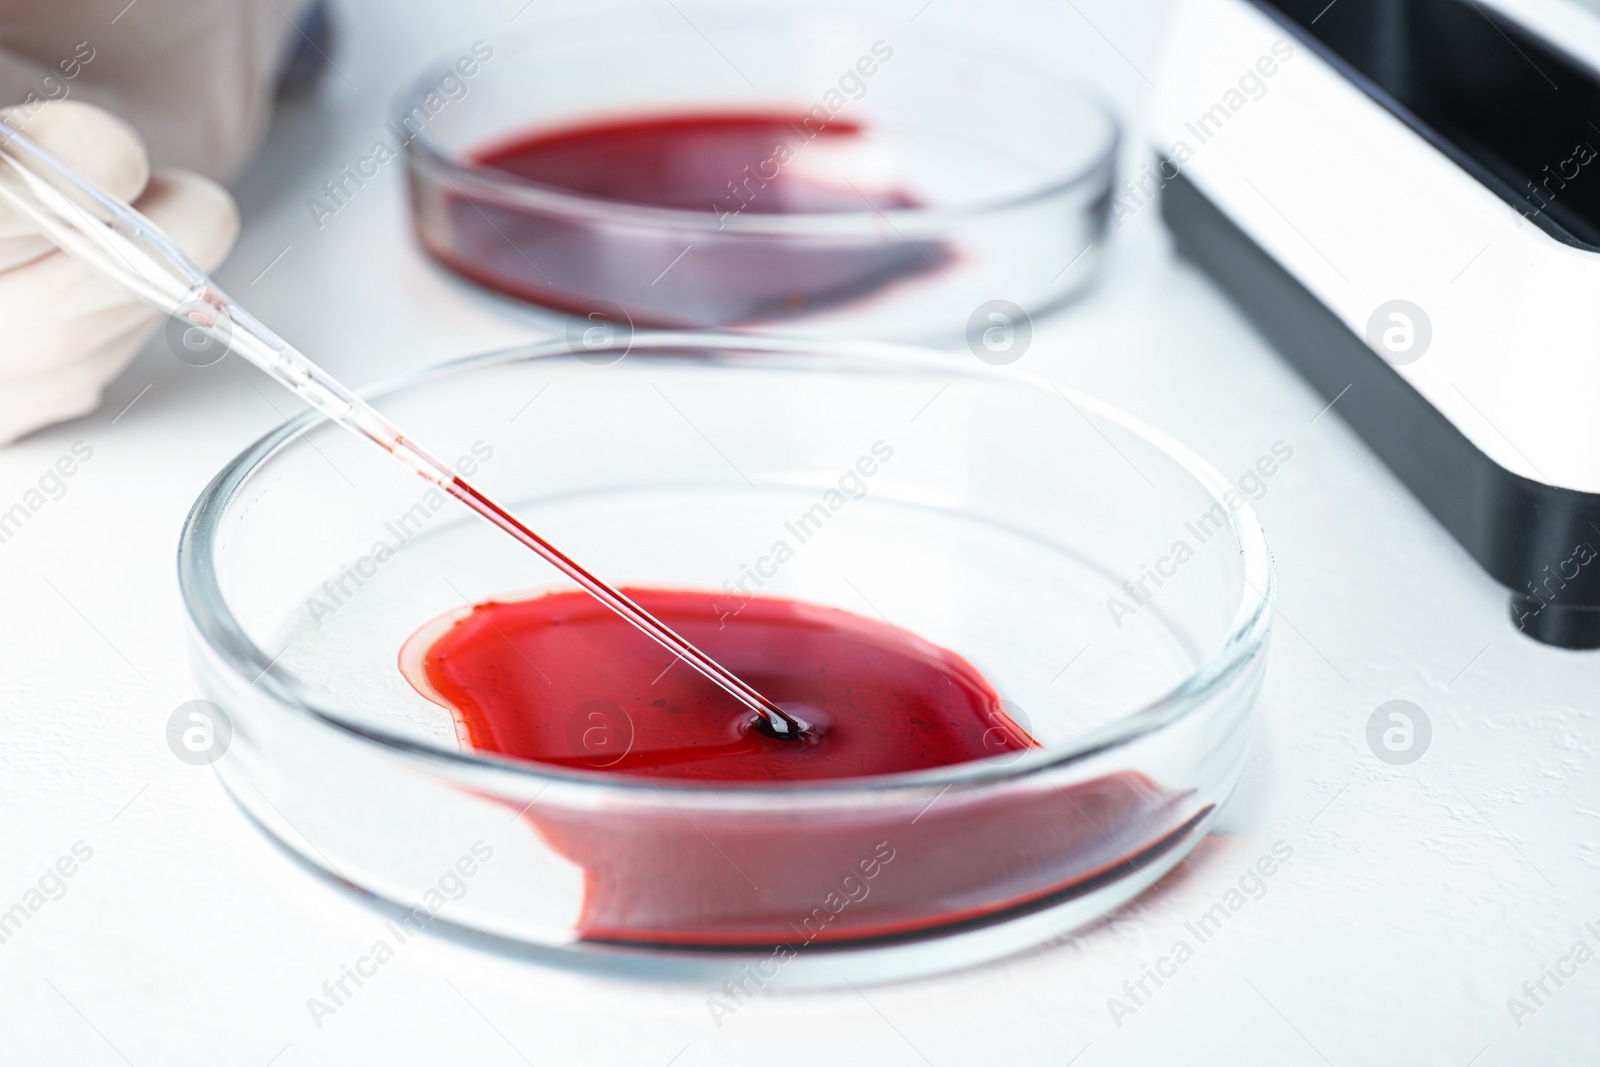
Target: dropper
[125,246]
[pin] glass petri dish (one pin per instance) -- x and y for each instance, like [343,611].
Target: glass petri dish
[812,177]
[1032,530]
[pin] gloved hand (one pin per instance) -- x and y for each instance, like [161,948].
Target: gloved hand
[64,331]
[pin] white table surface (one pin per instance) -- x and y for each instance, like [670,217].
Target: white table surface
[1417,901]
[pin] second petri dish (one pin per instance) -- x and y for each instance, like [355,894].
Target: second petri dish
[799,173]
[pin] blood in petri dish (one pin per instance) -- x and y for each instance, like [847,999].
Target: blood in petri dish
[559,679]
[724,166]
[562,679]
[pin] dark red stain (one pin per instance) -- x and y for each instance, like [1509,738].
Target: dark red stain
[721,165]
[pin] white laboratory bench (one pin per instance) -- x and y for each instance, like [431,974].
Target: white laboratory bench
[1418,898]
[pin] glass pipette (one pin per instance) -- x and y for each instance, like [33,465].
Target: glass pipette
[125,246]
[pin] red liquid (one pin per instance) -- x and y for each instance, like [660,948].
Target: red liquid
[560,679]
[725,166]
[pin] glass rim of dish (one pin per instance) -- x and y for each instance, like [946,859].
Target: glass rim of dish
[224,637]
[1101,164]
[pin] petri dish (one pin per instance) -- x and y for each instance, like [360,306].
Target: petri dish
[1016,524]
[791,171]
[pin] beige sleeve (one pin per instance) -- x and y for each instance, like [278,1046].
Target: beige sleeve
[194,77]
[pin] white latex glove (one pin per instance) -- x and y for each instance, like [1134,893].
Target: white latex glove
[64,331]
